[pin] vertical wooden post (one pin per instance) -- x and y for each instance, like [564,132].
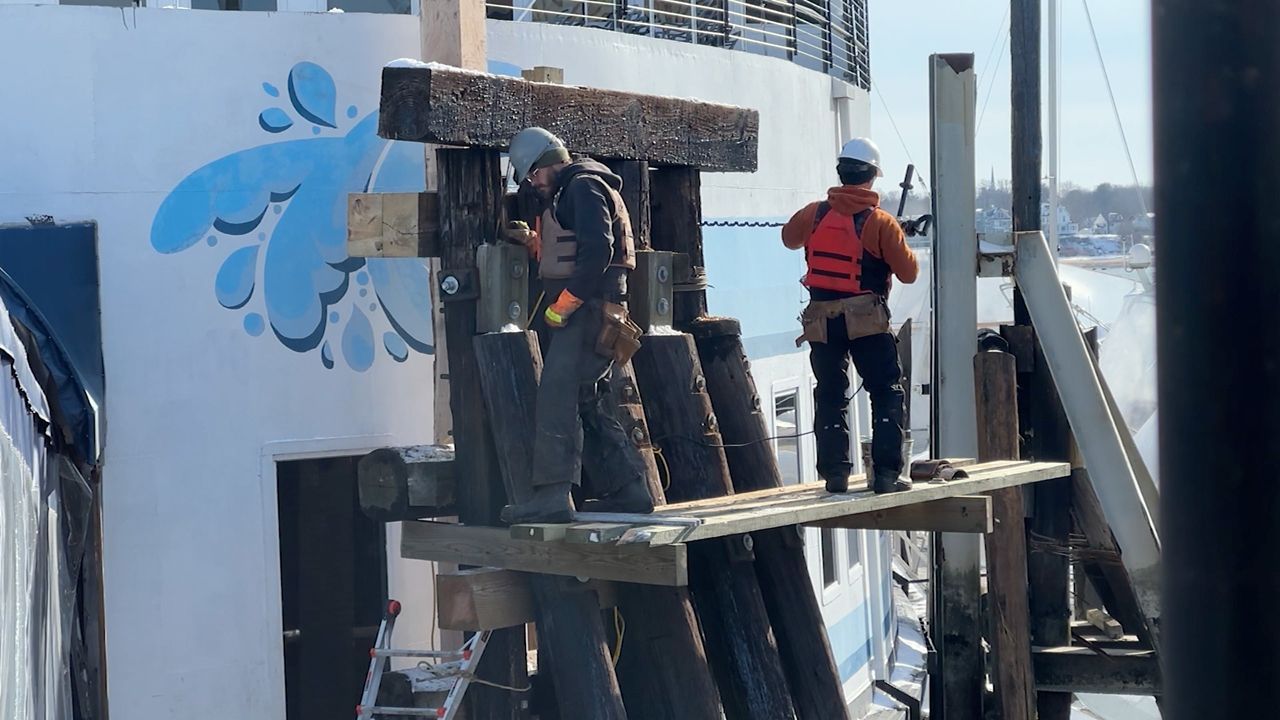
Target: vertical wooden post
[1048,437]
[570,632]
[740,643]
[676,225]
[635,194]
[780,564]
[1024,49]
[451,32]
[997,414]
[662,669]
[470,194]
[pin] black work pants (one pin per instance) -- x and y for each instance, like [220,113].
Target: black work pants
[576,417]
[876,359]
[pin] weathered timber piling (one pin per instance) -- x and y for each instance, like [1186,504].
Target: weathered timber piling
[1046,436]
[780,564]
[995,382]
[662,671]
[470,193]
[570,632]
[741,647]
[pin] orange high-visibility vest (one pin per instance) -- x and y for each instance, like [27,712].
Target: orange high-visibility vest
[837,259]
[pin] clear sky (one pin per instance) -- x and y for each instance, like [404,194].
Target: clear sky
[905,32]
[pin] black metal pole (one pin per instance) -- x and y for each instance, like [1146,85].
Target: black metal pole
[1216,69]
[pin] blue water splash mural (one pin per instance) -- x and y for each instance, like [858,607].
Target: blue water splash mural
[276,216]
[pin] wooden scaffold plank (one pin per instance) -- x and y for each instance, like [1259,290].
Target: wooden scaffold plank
[808,503]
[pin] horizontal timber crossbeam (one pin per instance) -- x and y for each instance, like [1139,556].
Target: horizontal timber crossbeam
[962,514]
[448,106]
[487,599]
[495,548]
[1082,670]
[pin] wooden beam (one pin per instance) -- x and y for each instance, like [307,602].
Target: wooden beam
[1069,670]
[444,105]
[1102,560]
[635,195]
[675,195]
[961,514]
[494,547]
[995,385]
[470,200]
[741,647]
[568,618]
[453,32]
[470,206]
[407,483]
[1047,437]
[487,599]
[781,569]
[393,225]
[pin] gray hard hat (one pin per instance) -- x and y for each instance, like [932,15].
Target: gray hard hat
[532,148]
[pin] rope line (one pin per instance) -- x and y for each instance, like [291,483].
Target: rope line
[1115,110]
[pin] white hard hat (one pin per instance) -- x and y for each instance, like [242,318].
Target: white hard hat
[864,151]
[527,148]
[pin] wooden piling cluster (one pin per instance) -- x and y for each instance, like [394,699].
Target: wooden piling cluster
[684,652]
[741,635]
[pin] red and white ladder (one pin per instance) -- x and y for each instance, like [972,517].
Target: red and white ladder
[460,665]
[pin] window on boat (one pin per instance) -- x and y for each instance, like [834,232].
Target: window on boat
[786,422]
[830,575]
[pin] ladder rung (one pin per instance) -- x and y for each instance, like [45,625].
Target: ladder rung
[408,712]
[449,669]
[392,652]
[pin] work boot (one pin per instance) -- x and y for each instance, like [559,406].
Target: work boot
[837,484]
[549,504]
[630,498]
[888,481]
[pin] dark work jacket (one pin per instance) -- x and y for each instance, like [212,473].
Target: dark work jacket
[588,205]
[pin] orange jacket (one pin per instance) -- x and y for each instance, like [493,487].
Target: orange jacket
[882,236]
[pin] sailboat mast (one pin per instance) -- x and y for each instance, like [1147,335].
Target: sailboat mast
[1054,62]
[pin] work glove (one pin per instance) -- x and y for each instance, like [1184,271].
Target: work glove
[560,310]
[519,233]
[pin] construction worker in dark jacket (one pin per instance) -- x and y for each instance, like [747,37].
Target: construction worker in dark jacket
[587,252]
[852,247]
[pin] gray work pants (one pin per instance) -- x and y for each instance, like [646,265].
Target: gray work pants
[577,417]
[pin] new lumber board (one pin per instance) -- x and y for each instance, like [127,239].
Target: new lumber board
[403,224]
[487,599]
[449,106]
[494,547]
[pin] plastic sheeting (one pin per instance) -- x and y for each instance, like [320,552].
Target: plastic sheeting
[36,595]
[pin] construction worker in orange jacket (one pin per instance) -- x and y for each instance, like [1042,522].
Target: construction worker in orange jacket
[852,250]
[587,253]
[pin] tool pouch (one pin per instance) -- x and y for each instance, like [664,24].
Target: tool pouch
[865,315]
[814,319]
[619,338]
